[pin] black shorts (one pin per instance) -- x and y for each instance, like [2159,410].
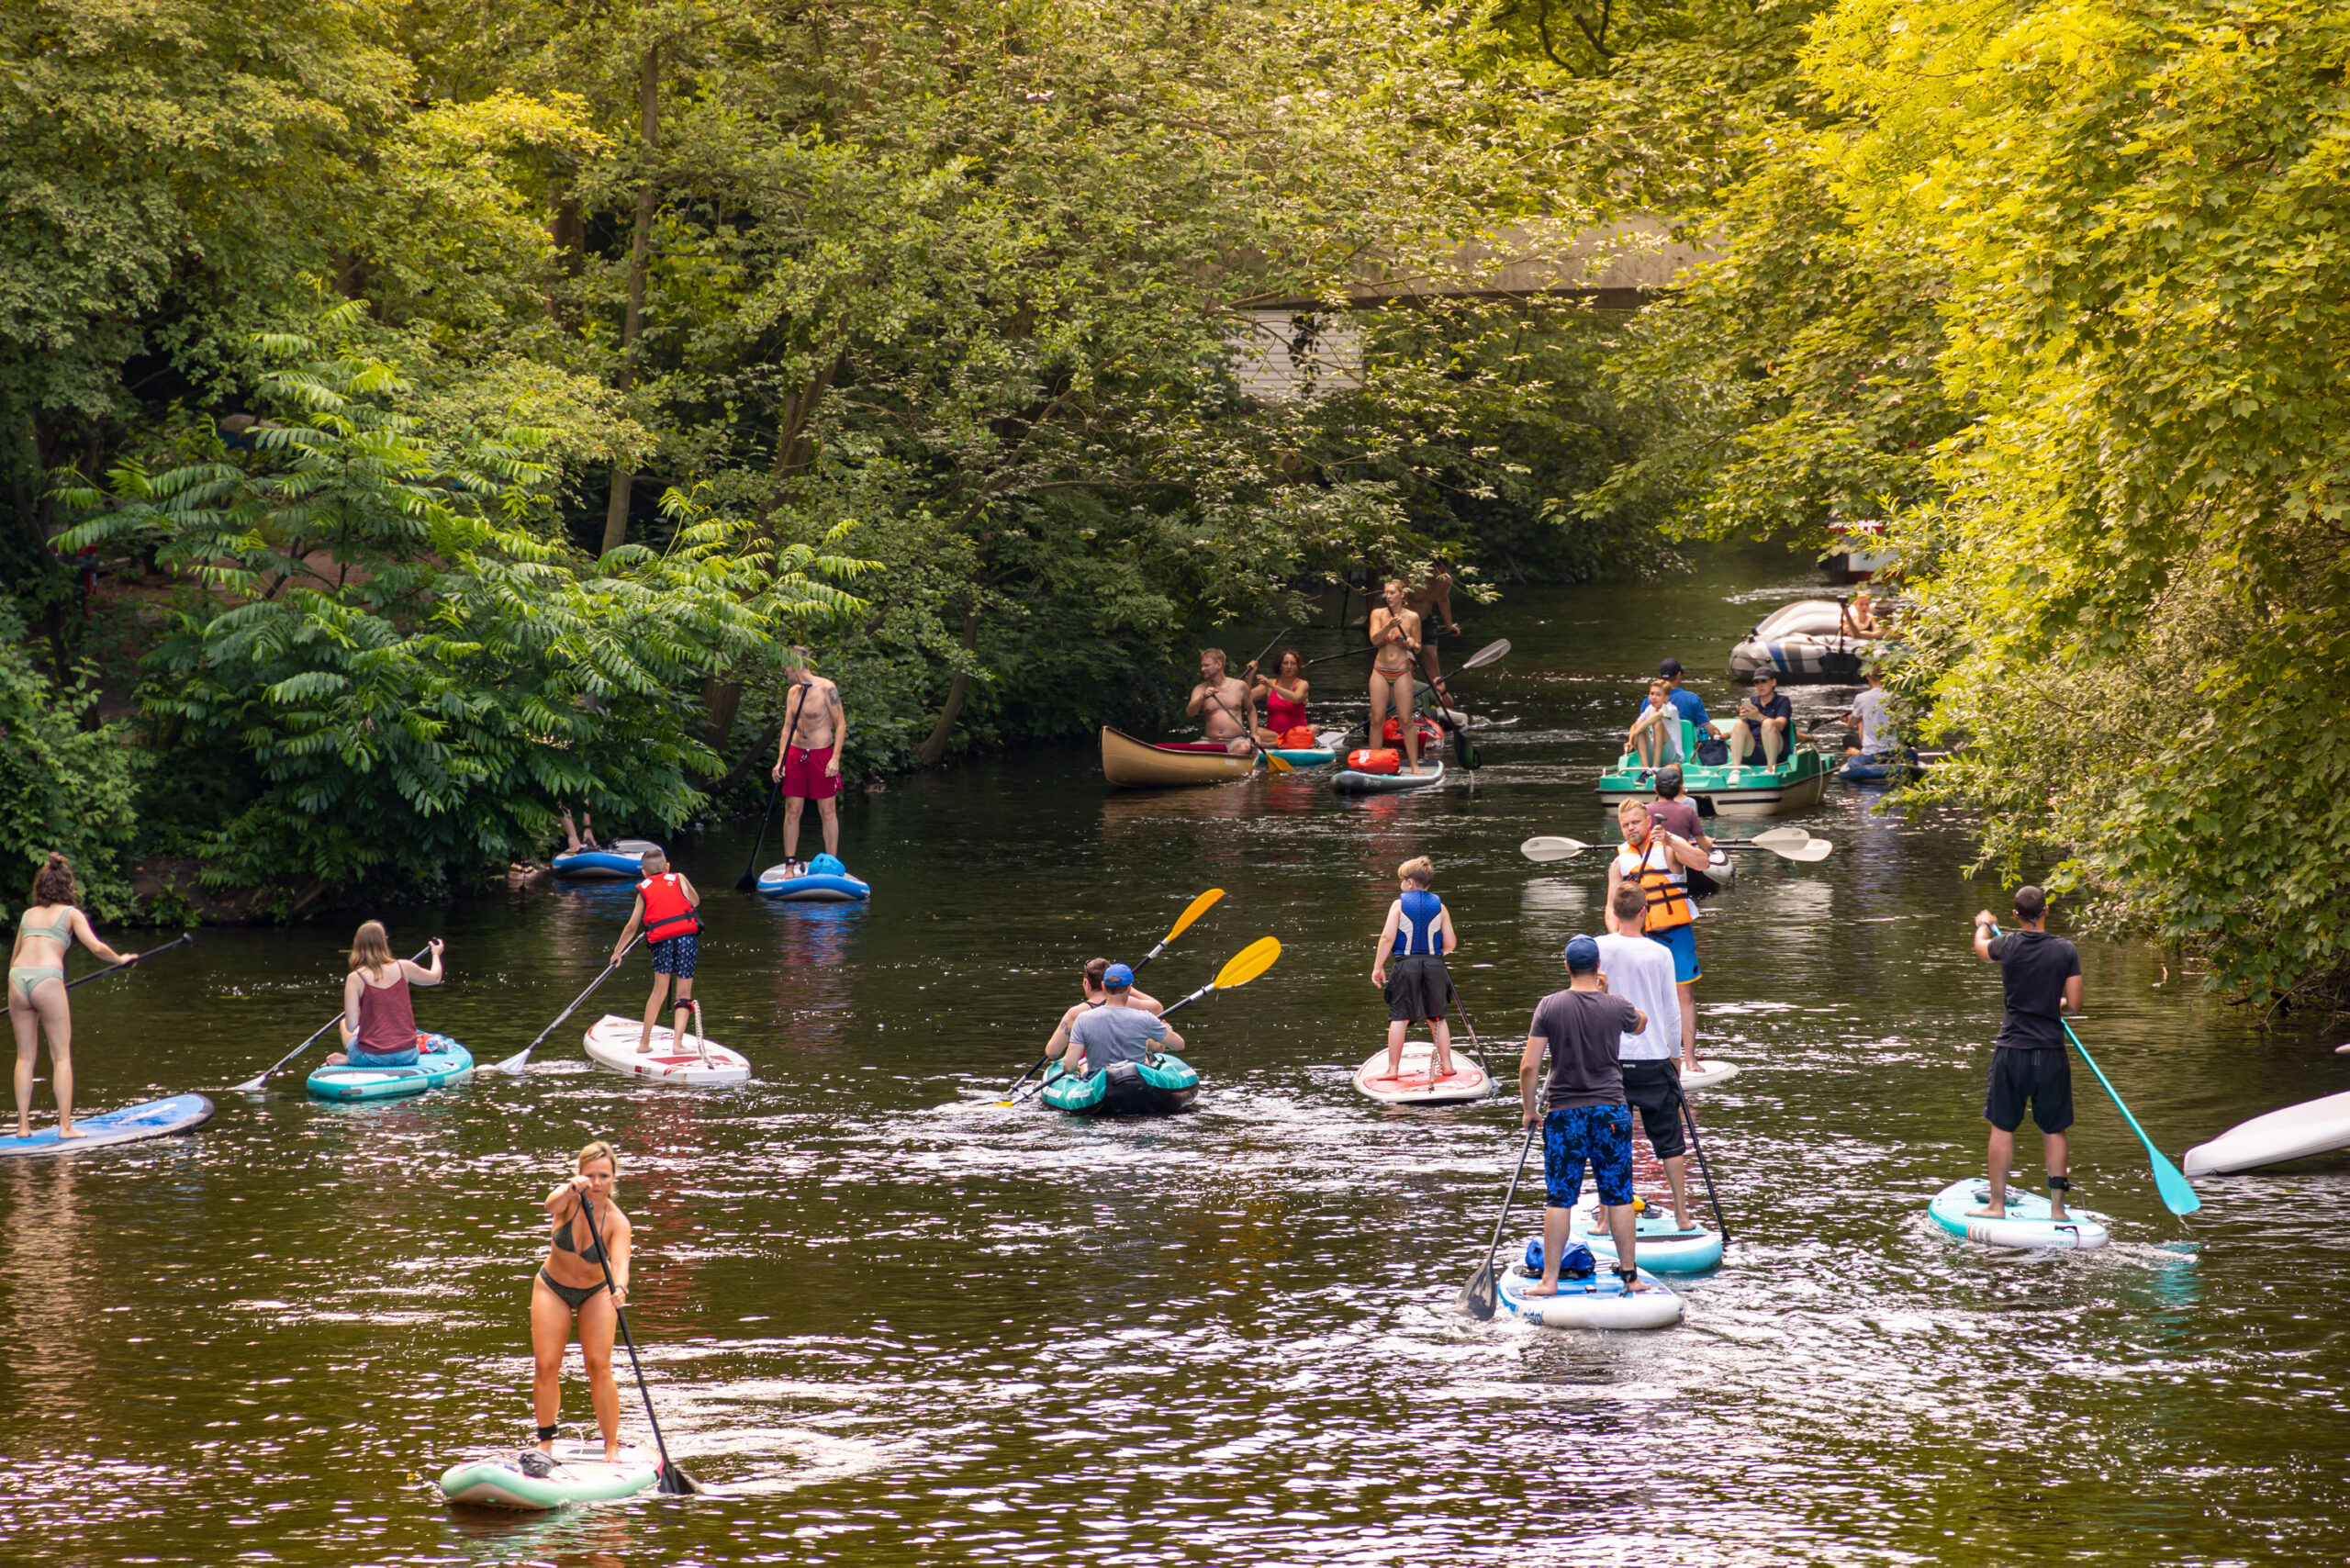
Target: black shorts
[1653,1089]
[2043,1076]
[1418,989]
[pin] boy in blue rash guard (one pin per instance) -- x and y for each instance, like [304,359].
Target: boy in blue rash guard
[1417,935]
[1582,1028]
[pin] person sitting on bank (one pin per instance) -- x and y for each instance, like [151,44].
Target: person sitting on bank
[1284,692]
[665,906]
[1117,1031]
[1218,701]
[1766,717]
[1417,935]
[379,1027]
[1582,1028]
[580,840]
[2041,975]
[1655,736]
[1096,995]
[1639,970]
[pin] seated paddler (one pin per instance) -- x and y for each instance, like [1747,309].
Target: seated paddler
[1117,1030]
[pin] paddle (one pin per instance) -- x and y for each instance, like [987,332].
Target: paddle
[675,1482]
[1277,763]
[1191,911]
[1349,653]
[749,881]
[1478,1298]
[253,1085]
[1544,850]
[1498,648]
[1703,1170]
[1239,970]
[1284,631]
[520,1062]
[185,937]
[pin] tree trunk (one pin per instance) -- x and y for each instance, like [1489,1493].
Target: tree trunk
[722,700]
[935,746]
[632,324]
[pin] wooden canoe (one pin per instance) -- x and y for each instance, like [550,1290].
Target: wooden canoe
[1137,765]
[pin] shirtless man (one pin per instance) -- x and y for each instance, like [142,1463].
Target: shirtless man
[1395,633]
[1096,995]
[1218,701]
[1432,603]
[808,758]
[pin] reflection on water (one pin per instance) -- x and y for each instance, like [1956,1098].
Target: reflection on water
[897,1328]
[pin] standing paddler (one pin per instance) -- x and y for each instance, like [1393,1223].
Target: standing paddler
[570,1286]
[807,759]
[666,905]
[1659,863]
[36,999]
[1582,1028]
[1415,938]
[1395,635]
[1639,970]
[2041,975]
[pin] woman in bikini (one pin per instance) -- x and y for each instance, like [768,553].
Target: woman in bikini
[37,989]
[378,1018]
[571,1283]
[1396,632]
[1284,694]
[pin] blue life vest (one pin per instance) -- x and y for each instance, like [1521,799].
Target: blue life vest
[1422,930]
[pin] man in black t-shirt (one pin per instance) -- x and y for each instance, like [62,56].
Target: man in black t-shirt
[1768,717]
[2042,978]
[1582,1028]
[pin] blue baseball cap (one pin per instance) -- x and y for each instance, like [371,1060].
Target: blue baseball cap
[1117,976]
[1582,952]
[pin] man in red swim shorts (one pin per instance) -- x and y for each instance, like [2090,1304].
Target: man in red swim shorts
[808,758]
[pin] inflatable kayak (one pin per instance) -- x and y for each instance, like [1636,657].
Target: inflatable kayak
[1598,1302]
[1347,781]
[439,1060]
[1411,1086]
[1709,1073]
[623,860]
[2317,1127]
[2025,1224]
[1658,1240]
[156,1118]
[579,1473]
[611,1045]
[1154,1087]
[820,883]
[1721,870]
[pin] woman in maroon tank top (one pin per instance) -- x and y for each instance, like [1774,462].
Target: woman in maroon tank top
[378,1022]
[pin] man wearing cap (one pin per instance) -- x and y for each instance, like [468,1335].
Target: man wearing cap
[2041,975]
[1766,716]
[1117,1031]
[1090,979]
[1692,706]
[1582,1028]
[1641,971]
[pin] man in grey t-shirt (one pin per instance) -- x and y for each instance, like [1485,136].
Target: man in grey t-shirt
[1117,1031]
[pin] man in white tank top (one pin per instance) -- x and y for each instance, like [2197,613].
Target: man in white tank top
[1641,971]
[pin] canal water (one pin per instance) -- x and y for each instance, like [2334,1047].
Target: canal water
[893,1328]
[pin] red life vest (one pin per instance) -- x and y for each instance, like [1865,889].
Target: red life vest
[667,913]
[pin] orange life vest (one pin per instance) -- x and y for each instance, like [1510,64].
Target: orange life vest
[667,913]
[1668,900]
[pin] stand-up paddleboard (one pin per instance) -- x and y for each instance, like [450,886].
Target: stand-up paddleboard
[1411,1085]
[156,1118]
[611,1045]
[2025,1224]
[439,1060]
[2316,1127]
[1709,1073]
[1598,1302]
[814,886]
[621,860]
[1659,1242]
[578,1472]
[1347,781]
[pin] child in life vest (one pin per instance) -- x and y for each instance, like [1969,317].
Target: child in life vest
[665,906]
[1417,935]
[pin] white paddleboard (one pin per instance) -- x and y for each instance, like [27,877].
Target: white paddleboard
[2315,1126]
[1411,1085]
[1596,1303]
[1709,1073]
[2026,1222]
[611,1045]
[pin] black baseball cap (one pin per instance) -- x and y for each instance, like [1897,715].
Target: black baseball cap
[1669,667]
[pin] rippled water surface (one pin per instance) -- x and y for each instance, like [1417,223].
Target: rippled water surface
[893,1328]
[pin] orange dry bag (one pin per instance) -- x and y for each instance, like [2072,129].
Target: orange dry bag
[1298,739]
[1374,762]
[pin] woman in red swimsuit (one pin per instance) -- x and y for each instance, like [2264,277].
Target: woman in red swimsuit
[1284,694]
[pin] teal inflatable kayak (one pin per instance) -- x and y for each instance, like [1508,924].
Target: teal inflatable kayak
[1156,1087]
[2026,1222]
[439,1060]
[156,1118]
[531,1482]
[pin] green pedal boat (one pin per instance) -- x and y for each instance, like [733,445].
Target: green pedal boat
[1754,791]
[1156,1087]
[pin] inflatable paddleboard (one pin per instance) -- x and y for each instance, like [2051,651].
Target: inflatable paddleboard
[1347,781]
[156,1118]
[2316,1127]
[1658,1240]
[1709,1073]
[611,1045]
[1596,1303]
[623,860]
[579,1473]
[1410,1086]
[814,887]
[439,1060]
[2025,1224]
[1297,757]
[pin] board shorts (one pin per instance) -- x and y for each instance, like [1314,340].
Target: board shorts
[357,1056]
[804,777]
[1681,941]
[677,956]
[1599,1134]
[1418,988]
[1653,1089]
[2043,1076]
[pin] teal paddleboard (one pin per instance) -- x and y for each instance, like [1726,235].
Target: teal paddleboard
[439,1060]
[2026,1222]
[531,1482]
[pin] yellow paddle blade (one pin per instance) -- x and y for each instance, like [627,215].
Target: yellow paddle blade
[1200,906]
[1249,962]
[1280,764]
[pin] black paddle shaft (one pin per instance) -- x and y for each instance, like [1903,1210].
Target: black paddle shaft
[185,937]
[1689,1120]
[1481,1302]
[673,1481]
[750,878]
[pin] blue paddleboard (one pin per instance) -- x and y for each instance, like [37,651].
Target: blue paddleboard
[156,1118]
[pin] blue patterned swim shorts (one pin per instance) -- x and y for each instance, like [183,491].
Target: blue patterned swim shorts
[677,956]
[1599,1133]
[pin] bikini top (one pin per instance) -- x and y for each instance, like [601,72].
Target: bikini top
[592,1253]
[61,933]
